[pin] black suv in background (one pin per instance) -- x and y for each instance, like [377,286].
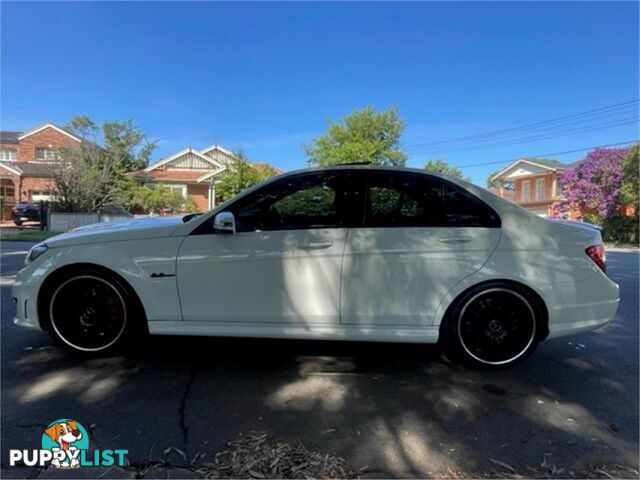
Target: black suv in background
[25,212]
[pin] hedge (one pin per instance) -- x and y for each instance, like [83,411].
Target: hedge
[620,229]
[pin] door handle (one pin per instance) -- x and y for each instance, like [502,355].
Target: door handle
[456,239]
[316,245]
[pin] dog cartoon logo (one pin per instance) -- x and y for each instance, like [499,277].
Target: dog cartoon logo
[65,437]
[65,444]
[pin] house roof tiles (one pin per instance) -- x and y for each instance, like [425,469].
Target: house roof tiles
[178,175]
[9,137]
[31,169]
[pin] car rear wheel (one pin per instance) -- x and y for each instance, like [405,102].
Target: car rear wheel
[90,312]
[493,326]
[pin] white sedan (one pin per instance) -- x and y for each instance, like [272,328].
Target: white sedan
[340,253]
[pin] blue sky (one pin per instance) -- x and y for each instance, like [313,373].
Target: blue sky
[265,77]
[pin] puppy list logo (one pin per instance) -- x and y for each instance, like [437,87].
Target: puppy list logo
[65,444]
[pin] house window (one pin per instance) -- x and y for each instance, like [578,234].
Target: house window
[8,193]
[8,154]
[540,189]
[43,153]
[38,196]
[181,189]
[526,191]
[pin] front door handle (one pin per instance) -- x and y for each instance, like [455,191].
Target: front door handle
[317,245]
[456,239]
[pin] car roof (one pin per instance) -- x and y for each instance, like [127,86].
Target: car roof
[361,167]
[484,194]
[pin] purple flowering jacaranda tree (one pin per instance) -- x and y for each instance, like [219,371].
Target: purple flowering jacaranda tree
[593,184]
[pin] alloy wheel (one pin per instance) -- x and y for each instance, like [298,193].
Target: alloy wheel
[88,313]
[497,326]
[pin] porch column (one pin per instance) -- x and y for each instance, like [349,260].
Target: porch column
[212,196]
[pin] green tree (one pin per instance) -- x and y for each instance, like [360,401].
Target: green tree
[125,143]
[364,135]
[82,126]
[441,166]
[630,190]
[161,199]
[91,177]
[242,174]
[87,181]
[493,182]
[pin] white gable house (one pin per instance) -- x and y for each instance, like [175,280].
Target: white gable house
[191,172]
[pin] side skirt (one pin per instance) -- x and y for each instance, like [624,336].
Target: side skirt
[311,332]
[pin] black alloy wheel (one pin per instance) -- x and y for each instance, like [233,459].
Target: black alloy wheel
[88,313]
[492,326]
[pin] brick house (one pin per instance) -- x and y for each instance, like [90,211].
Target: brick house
[25,163]
[191,172]
[535,184]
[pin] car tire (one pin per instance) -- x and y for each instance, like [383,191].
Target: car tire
[91,312]
[18,222]
[493,326]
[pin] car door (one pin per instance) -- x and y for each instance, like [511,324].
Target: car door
[420,236]
[283,264]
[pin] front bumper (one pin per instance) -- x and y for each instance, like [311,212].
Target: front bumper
[25,301]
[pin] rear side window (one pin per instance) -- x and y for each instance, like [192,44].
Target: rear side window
[412,200]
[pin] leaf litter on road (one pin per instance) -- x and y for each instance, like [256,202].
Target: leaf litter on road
[259,457]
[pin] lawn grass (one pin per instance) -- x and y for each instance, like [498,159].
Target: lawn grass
[26,235]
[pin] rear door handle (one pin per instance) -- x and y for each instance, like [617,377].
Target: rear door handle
[316,245]
[455,239]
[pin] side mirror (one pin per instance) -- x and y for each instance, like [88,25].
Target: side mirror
[224,222]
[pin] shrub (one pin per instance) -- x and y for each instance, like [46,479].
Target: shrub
[160,199]
[620,229]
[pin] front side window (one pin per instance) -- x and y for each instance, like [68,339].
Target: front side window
[412,200]
[8,154]
[43,153]
[302,202]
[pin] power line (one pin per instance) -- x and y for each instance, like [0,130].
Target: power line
[543,130]
[563,121]
[469,165]
[529,125]
[537,138]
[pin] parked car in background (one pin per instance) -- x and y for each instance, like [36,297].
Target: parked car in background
[25,212]
[340,253]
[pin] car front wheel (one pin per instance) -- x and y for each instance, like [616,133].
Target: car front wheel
[493,326]
[89,312]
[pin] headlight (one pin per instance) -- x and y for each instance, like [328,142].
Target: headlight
[35,252]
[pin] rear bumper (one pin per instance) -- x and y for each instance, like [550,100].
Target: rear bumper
[582,306]
[27,216]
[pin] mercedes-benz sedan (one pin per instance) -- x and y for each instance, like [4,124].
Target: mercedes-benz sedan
[340,253]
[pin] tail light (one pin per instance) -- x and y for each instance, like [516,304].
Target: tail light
[596,253]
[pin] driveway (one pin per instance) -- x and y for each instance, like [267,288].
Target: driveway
[399,410]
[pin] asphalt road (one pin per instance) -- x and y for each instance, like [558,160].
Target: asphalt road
[400,410]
